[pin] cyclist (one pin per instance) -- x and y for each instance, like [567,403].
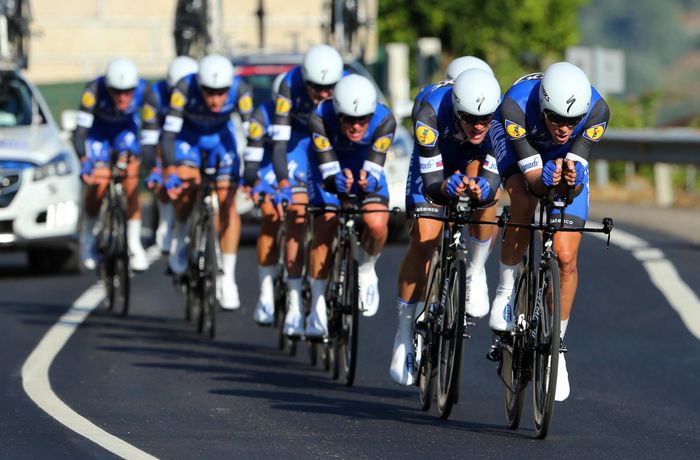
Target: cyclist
[109,120]
[198,126]
[547,125]
[154,110]
[351,134]
[452,156]
[258,172]
[300,91]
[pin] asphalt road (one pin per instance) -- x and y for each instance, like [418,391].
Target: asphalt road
[151,381]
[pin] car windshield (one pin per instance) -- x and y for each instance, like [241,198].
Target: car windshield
[16,102]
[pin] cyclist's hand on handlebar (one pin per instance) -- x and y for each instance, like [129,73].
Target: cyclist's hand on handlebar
[284,194]
[551,173]
[455,185]
[173,186]
[575,173]
[86,167]
[368,182]
[154,181]
[478,187]
[343,181]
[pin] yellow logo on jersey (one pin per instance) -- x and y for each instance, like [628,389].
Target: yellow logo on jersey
[255,130]
[425,135]
[514,130]
[149,113]
[177,99]
[88,99]
[282,105]
[595,132]
[382,144]
[245,104]
[322,143]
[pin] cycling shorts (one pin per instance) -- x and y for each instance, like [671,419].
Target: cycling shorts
[101,141]
[218,149]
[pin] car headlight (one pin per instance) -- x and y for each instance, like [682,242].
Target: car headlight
[59,165]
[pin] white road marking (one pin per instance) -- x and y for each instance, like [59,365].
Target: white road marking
[664,276]
[35,374]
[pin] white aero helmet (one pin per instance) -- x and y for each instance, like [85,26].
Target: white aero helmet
[180,67]
[322,65]
[460,64]
[215,72]
[565,90]
[475,92]
[276,83]
[121,74]
[354,96]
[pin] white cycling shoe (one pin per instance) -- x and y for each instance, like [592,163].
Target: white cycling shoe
[293,320]
[137,259]
[404,367]
[264,311]
[563,389]
[501,319]
[477,294]
[369,292]
[317,321]
[163,237]
[177,260]
[228,294]
[88,252]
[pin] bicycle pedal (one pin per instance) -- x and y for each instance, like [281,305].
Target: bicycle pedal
[495,354]
[466,336]
[562,348]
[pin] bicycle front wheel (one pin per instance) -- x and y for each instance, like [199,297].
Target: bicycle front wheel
[546,355]
[513,365]
[211,270]
[424,335]
[350,319]
[451,326]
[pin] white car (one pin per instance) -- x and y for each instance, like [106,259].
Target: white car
[40,188]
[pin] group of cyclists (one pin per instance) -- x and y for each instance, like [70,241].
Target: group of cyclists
[325,135]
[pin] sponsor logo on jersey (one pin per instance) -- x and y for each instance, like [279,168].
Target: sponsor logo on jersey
[245,104]
[149,113]
[430,164]
[88,99]
[255,130]
[425,135]
[528,164]
[595,132]
[490,164]
[322,143]
[382,144]
[177,99]
[282,105]
[514,130]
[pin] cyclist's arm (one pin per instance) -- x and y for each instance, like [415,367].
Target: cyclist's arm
[173,122]
[150,131]
[281,132]
[255,148]
[244,96]
[592,131]
[425,136]
[489,171]
[86,117]
[381,141]
[328,162]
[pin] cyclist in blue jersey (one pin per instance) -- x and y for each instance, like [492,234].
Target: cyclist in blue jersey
[452,157]
[301,90]
[547,125]
[198,128]
[350,137]
[259,172]
[109,120]
[155,108]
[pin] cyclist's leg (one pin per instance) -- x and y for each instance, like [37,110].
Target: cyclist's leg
[227,180]
[267,250]
[165,212]
[373,238]
[98,154]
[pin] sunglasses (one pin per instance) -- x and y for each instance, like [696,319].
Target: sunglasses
[316,87]
[121,91]
[214,91]
[560,120]
[470,119]
[352,120]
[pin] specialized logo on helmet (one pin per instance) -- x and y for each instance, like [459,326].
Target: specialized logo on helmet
[245,104]
[255,130]
[480,100]
[177,99]
[356,103]
[324,72]
[514,130]
[382,144]
[283,105]
[570,101]
[149,113]
[595,132]
[425,135]
[322,143]
[88,99]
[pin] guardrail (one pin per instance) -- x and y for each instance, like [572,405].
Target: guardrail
[660,147]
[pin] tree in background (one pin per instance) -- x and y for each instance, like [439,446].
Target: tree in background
[514,36]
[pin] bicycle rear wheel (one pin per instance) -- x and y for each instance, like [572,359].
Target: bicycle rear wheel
[211,271]
[280,296]
[546,354]
[121,280]
[451,322]
[427,343]
[350,320]
[513,365]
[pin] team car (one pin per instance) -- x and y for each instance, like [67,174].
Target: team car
[40,189]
